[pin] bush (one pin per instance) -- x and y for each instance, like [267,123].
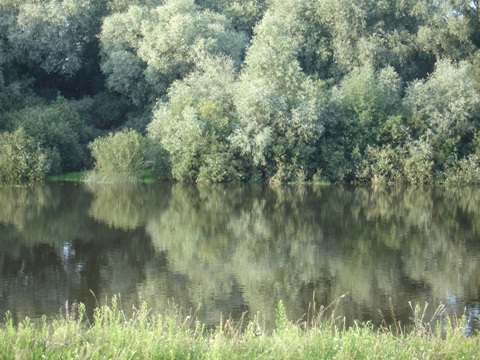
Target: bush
[59,130]
[419,163]
[119,154]
[410,164]
[464,172]
[381,166]
[22,161]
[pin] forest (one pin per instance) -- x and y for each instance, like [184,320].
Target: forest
[380,92]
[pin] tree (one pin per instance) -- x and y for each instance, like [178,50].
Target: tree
[194,125]
[447,28]
[51,34]
[244,14]
[364,100]
[444,108]
[279,107]
[364,111]
[146,49]
[55,44]
[58,129]
[338,36]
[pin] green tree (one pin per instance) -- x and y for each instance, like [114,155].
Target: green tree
[444,109]
[364,100]
[54,44]
[279,107]
[146,49]
[339,35]
[448,28]
[244,14]
[103,111]
[364,111]
[51,34]
[14,91]
[58,129]
[194,125]
[22,161]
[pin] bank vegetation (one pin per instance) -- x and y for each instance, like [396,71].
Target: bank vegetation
[383,92]
[110,334]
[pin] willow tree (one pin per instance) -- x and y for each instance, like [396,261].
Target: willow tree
[279,107]
[146,49]
[444,110]
[193,126]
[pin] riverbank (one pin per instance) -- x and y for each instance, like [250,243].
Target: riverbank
[113,335]
[145,177]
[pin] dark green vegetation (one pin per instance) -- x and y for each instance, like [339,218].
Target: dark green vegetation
[381,92]
[110,334]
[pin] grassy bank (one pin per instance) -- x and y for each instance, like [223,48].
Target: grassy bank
[144,177]
[112,335]
[79,176]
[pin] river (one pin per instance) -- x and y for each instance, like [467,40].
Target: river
[235,251]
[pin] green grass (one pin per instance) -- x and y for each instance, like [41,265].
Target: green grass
[145,177]
[72,176]
[110,334]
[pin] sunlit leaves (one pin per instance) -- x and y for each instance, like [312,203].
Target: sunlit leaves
[447,102]
[244,14]
[22,161]
[119,154]
[146,49]
[279,107]
[194,125]
[52,34]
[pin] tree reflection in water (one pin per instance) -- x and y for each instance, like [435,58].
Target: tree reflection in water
[232,249]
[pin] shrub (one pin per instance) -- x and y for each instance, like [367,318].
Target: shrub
[410,164]
[59,130]
[419,163]
[119,154]
[22,161]
[464,172]
[381,166]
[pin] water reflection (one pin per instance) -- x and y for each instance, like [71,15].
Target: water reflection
[125,206]
[233,249]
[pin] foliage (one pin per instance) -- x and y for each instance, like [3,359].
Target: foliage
[103,111]
[194,125]
[446,104]
[464,172]
[411,164]
[279,107]
[120,154]
[244,14]
[310,86]
[58,129]
[146,49]
[50,34]
[22,161]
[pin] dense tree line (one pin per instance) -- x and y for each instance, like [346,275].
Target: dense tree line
[381,92]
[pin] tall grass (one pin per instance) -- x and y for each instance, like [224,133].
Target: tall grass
[110,334]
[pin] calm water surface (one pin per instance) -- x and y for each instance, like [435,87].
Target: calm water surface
[229,250]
